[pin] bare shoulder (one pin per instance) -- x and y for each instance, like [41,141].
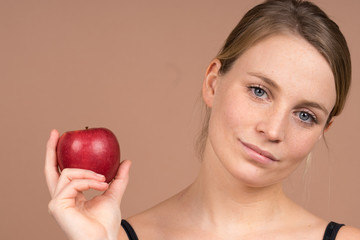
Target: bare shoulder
[144,224]
[156,222]
[122,235]
[348,233]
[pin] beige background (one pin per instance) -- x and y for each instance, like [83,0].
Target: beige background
[136,67]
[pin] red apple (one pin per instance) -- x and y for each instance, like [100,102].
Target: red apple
[95,149]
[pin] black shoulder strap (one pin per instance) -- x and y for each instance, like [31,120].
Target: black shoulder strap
[129,230]
[332,230]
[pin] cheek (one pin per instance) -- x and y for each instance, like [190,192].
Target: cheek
[236,112]
[229,118]
[296,150]
[301,144]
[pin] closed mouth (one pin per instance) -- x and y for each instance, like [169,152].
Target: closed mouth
[259,151]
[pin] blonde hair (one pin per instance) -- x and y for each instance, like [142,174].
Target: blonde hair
[297,17]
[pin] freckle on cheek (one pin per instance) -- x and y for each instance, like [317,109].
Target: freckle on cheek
[231,118]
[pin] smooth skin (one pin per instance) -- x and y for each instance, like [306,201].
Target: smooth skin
[276,97]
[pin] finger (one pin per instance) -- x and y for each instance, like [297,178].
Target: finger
[51,168]
[70,174]
[118,185]
[77,186]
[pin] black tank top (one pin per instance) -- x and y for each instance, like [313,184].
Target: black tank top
[330,232]
[129,230]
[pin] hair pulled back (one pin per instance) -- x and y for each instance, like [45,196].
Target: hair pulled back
[301,18]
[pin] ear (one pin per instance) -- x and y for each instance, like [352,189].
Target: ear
[210,82]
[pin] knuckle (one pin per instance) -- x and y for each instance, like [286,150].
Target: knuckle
[51,207]
[73,182]
[76,183]
[66,171]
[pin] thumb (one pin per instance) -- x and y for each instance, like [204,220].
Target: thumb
[118,185]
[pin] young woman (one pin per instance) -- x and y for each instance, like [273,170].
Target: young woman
[272,91]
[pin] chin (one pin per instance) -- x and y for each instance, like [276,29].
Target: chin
[250,175]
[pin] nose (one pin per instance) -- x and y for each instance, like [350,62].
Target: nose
[273,125]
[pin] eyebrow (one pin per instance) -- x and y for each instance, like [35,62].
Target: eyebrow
[276,86]
[265,79]
[314,105]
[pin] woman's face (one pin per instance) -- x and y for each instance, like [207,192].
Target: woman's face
[269,110]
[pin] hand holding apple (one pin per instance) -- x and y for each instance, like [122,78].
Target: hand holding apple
[81,218]
[95,149]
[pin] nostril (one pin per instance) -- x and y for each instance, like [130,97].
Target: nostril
[275,141]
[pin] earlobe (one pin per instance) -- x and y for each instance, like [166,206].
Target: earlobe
[210,82]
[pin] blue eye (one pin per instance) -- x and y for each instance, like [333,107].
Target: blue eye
[307,117]
[304,116]
[258,92]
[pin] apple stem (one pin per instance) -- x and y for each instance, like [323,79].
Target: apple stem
[86,127]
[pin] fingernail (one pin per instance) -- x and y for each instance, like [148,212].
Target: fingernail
[100,175]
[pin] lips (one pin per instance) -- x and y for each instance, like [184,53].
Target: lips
[259,151]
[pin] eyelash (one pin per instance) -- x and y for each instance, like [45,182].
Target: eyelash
[312,116]
[257,87]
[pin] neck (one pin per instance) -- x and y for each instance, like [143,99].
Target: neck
[218,200]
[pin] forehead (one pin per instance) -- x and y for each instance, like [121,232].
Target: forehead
[294,64]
